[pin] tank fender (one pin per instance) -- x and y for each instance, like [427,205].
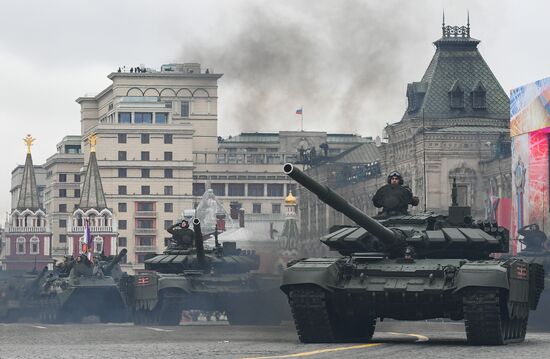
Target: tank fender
[482,275]
[324,274]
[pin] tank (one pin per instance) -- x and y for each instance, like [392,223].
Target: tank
[410,267]
[218,279]
[536,251]
[83,289]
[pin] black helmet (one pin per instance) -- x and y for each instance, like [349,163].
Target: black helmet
[395,174]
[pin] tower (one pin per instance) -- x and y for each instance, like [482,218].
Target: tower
[92,212]
[27,231]
[288,240]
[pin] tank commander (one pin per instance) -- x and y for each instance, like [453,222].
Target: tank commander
[394,198]
[534,239]
[81,267]
[182,235]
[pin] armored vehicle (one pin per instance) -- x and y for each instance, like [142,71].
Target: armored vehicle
[536,251]
[83,289]
[410,267]
[198,278]
[17,293]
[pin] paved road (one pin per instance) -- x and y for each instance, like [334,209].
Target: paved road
[219,340]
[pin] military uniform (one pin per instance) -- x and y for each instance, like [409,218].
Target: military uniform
[182,236]
[394,199]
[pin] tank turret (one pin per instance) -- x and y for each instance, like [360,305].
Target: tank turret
[107,268]
[431,235]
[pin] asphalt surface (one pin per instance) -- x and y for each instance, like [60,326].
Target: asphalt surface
[219,340]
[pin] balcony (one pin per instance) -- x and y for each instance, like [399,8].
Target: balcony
[147,214]
[27,230]
[93,229]
[146,249]
[141,231]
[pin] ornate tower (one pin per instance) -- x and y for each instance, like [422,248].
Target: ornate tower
[93,212]
[27,232]
[288,240]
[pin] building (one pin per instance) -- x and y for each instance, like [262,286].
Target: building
[456,120]
[27,234]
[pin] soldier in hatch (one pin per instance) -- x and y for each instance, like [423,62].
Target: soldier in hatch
[394,198]
[182,235]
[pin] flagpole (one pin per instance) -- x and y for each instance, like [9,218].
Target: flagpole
[302,118]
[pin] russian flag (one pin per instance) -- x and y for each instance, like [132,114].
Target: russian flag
[299,111]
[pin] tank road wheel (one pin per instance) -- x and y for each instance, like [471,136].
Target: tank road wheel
[486,318]
[311,317]
[50,311]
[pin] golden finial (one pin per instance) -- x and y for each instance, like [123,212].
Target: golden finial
[29,140]
[93,140]
[290,199]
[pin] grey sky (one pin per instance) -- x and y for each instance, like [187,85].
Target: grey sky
[347,62]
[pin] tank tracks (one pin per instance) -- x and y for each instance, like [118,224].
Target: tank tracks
[486,319]
[317,323]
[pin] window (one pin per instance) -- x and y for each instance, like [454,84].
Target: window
[124,117]
[62,238]
[77,193]
[145,173]
[121,138]
[456,96]
[142,256]
[122,242]
[63,207]
[275,208]
[145,155]
[122,173]
[62,177]
[275,190]
[122,224]
[77,178]
[122,155]
[35,246]
[168,173]
[122,207]
[98,244]
[185,109]
[20,245]
[235,189]
[145,206]
[168,156]
[199,189]
[168,190]
[161,117]
[145,223]
[256,189]
[167,224]
[167,138]
[479,97]
[145,240]
[256,208]
[169,207]
[218,189]
[143,117]
[62,223]
[122,190]
[62,192]
[144,138]
[145,190]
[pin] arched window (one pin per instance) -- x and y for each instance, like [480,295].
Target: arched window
[20,245]
[34,246]
[479,95]
[456,96]
[79,221]
[98,245]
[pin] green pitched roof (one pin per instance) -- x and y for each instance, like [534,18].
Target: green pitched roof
[28,195]
[92,195]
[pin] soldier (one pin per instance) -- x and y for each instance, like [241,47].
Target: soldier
[182,235]
[534,239]
[394,198]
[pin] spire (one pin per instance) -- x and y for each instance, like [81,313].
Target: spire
[92,195]
[28,194]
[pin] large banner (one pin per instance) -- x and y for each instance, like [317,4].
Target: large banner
[530,107]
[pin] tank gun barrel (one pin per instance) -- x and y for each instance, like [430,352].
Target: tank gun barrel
[109,267]
[333,199]
[199,244]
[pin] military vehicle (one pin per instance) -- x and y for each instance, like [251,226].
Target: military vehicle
[86,290]
[17,291]
[410,267]
[536,251]
[207,279]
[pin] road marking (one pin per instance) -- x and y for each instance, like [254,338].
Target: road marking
[159,329]
[419,338]
[38,327]
[320,351]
